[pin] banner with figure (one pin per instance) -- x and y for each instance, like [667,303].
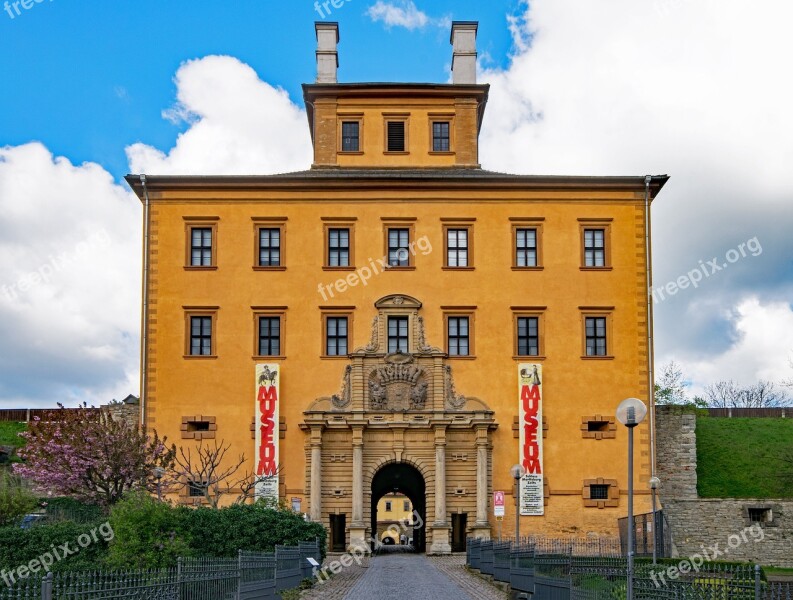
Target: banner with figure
[532,502]
[267,430]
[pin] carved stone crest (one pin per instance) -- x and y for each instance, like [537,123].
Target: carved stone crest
[398,384]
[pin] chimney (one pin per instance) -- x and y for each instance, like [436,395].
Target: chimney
[464,60]
[327,52]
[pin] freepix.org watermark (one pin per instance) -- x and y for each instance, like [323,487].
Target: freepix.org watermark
[28,281]
[707,269]
[13,7]
[358,553]
[57,553]
[693,563]
[324,8]
[374,267]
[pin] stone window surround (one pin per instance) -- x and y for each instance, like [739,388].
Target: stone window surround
[609,434]
[774,509]
[209,434]
[614,493]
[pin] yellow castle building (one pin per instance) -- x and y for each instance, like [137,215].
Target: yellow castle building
[397,320]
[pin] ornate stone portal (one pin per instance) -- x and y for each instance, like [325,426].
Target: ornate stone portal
[400,407]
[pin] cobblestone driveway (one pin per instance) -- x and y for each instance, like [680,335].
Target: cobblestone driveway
[406,577]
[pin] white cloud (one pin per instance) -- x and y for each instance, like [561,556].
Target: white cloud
[399,13]
[69,285]
[761,348]
[238,125]
[689,88]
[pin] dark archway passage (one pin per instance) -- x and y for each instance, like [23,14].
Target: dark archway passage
[403,479]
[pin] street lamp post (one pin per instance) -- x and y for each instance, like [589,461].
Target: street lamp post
[159,473]
[517,472]
[654,483]
[630,413]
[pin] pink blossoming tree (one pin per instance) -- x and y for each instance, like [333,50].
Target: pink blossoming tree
[87,454]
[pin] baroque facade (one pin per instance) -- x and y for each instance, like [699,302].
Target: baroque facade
[397,319]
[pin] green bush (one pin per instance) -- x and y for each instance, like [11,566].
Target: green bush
[20,546]
[148,534]
[254,527]
[153,534]
[69,509]
[16,500]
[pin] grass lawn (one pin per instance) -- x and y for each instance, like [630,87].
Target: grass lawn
[8,433]
[740,458]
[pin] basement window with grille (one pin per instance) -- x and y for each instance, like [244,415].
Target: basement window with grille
[396,136]
[599,492]
[763,515]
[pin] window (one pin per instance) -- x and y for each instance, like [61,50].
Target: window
[406,505]
[398,334]
[594,247]
[336,336]
[398,247]
[440,136]
[198,427]
[201,247]
[595,235]
[388,506]
[528,336]
[598,427]
[759,515]
[269,336]
[596,336]
[350,136]
[458,338]
[599,492]
[195,488]
[395,136]
[457,247]
[338,247]
[526,247]
[201,336]
[269,246]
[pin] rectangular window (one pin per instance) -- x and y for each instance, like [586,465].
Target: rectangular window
[528,336]
[596,336]
[396,136]
[269,336]
[399,247]
[440,136]
[457,247]
[336,342]
[458,336]
[270,247]
[195,488]
[339,247]
[594,247]
[599,492]
[398,334]
[350,136]
[200,336]
[406,505]
[201,247]
[526,247]
[388,506]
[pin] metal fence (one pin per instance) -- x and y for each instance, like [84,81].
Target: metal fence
[250,576]
[576,569]
[646,533]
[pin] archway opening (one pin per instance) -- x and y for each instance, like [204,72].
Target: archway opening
[400,482]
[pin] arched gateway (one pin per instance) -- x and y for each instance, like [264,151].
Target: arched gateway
[398,406]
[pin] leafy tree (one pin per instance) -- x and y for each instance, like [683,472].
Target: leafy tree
[16,500]
[87,454]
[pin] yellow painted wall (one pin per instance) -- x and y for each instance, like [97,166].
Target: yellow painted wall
[573,386]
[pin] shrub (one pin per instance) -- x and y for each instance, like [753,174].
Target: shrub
[20,546]
[16,500]
[148,534]
[69,509]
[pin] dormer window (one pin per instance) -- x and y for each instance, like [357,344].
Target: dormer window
[396,135]
[441,141]
[351,136]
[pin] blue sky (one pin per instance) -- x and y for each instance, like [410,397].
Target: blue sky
[88,78]
[94,90]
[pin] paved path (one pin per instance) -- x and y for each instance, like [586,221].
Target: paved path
[406,577]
